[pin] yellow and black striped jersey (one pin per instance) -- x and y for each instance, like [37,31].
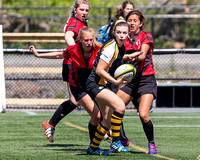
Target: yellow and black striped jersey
[112,54]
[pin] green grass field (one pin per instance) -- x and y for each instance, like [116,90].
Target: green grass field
[22,137]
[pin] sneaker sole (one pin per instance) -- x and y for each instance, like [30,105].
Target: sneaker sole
[111,151]
[153,153]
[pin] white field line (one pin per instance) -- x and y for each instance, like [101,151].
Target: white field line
[167,117]
[170,117]
[30,113]
[175,117]
[177,126]
[172,126]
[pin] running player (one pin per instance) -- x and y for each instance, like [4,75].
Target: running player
[121,14]
[112,107]
[76,21]
[82,55]
[144,86]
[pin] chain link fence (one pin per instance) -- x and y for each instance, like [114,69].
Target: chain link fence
[37,82]
[176,65]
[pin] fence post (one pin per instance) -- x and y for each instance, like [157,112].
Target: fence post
[152,26]
[2,76]
[109,14]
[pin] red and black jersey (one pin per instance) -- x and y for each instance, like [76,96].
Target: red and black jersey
[145,67]
[81,67]
[74,24]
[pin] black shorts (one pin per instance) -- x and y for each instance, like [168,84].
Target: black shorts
[140,86]
[78,93]
[93,89]
[65,72]
[112,87]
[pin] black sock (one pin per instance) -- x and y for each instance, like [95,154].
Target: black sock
[64,109]
[92,129]
[148,129]
[122,133]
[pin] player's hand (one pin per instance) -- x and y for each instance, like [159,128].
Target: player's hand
[32,48]
[135,55]
[121,80]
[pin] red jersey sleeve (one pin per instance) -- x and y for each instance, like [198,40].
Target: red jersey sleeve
[71,26]
[74,25]
[147,38]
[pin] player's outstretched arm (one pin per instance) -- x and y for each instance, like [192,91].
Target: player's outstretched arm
[50,55]
[132,56]
[144,49]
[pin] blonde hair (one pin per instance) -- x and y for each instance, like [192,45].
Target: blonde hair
[82,31]
[76,5]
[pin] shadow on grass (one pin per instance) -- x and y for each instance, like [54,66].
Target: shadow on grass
[115,154]
[66,147]
[136,152]
[82,148]
[62,145]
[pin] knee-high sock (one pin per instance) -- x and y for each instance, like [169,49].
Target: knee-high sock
[116,121]
[122,133]
[64,109]
[99,134]
[92,129]
[149,131]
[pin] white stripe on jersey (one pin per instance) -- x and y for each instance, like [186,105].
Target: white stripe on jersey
[108,52]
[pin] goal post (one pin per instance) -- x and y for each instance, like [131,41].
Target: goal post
[2,77]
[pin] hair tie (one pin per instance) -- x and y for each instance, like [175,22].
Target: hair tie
[120,6]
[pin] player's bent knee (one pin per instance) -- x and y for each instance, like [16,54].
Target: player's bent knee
[74,102]
[121,109]
[144,118]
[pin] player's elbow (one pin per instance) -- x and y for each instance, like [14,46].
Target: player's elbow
[141,58]
[98,71]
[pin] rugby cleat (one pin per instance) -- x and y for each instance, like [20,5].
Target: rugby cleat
[118,147]
[138,112]
[49,130]
[125,143]
[152,148]
[96,152]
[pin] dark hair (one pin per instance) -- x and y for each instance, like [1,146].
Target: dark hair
[122,23]
[139,14]
[120,12]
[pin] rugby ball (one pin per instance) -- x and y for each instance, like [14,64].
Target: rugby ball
[126,70]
